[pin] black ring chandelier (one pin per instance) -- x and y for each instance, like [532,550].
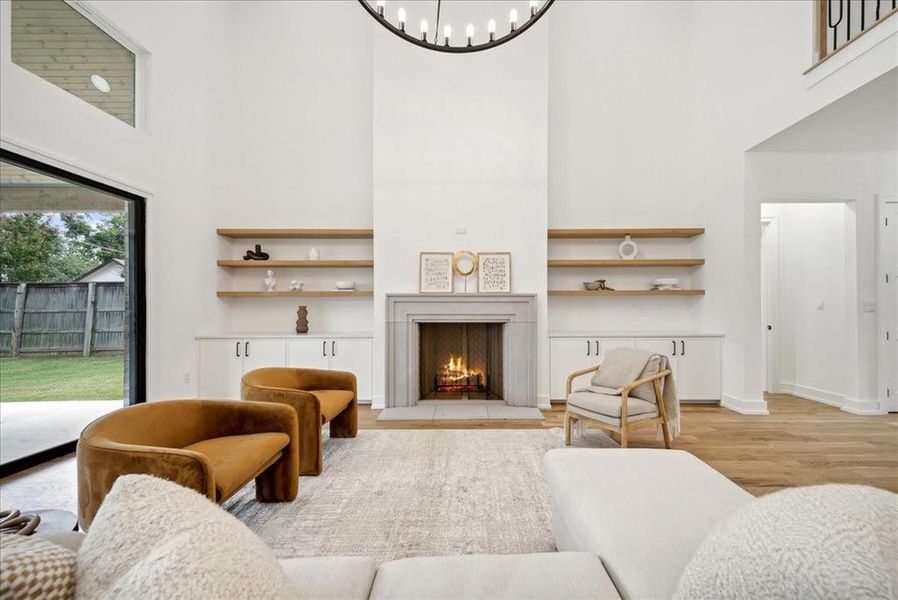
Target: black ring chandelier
[377,9]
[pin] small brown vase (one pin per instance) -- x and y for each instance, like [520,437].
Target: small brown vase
[302,320]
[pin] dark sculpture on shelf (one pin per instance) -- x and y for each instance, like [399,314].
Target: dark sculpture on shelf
[256,255]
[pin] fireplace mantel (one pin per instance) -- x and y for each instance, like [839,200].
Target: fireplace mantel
[517,312]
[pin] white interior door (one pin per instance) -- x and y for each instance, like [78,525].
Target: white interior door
[355,356]
[769,263]
[221,367]
[888,304]
[567,355]
[308,353]
[259,353]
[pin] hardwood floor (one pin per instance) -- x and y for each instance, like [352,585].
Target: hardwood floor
[800,443]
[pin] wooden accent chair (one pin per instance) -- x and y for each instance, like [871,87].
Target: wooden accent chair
[617,414]
[318,396]
[212,446]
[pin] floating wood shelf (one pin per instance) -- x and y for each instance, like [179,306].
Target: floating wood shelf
[297,233]
[666,232]
[627,293]
[620,262]
[304,294]
[282,264]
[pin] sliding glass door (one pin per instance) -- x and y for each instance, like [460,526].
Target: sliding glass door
[71,307]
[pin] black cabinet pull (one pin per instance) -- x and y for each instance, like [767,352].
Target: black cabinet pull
[238,350]
[597,347]
[588,347]
[682,348]
[674,342]
[333,347]
[324,348]
[246,349]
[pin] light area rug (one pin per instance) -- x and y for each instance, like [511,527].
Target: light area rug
[394,493]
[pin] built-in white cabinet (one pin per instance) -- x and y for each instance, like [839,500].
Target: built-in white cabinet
[355,355]
[695,361]
[223,361]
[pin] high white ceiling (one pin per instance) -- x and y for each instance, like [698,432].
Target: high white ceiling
[864,120]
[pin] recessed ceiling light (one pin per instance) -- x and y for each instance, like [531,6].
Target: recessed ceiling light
[100,83]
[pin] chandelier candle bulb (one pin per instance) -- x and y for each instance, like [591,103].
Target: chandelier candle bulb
[513,18]
[469,33]
[400,16]
[424,29]
[491,29]
[533,4]
[447,33]
[380,4]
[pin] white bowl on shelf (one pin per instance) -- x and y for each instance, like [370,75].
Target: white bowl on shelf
[345,286]
[666,282]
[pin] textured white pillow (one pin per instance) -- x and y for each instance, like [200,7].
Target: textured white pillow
[31,567]
[828,541]
[155,539]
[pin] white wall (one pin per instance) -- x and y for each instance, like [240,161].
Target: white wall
[815,279]
[263,113]
[459,142]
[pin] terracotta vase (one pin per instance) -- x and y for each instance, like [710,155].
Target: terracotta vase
[302,320]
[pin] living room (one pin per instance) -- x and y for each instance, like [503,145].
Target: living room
[424,225]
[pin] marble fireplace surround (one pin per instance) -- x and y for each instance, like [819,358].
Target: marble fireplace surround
[517,313]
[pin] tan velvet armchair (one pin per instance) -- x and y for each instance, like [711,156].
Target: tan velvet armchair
[212,446]
[318,396]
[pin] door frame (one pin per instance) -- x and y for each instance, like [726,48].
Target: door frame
[769,291]
[883,350]
[137,371]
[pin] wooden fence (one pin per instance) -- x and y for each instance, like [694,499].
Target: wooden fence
[62,318]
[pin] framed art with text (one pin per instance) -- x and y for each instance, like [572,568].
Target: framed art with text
[435,273]
[494,273]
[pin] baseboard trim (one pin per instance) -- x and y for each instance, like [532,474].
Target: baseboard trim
[863,407]
[811,393]
[743,406]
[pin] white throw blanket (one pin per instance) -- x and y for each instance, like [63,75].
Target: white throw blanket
[622,366]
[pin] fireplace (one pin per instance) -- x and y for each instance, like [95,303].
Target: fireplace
[460,361]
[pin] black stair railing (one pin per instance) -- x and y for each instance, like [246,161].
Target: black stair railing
[839,22]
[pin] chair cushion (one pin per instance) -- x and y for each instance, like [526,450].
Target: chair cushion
[610,406]
[823,541]
[238,458]
[332,402]
[331,577]
[495,576]
[642,511]
[153,538]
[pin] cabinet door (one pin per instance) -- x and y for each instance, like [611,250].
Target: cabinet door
[698,369]
[665,346]
[258,353]
[602,345]
[355,356]
[221,367]
[567,355]
[308,353]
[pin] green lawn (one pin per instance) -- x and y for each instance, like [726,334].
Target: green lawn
[61,378]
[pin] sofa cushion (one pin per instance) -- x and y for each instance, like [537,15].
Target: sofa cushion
[827,541]
[610,406]
[236,459]
[31,567]
[332,401]
[642,511]
[153,538]
[549,575]
[331,577]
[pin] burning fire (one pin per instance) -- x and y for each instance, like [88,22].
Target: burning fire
[456,369]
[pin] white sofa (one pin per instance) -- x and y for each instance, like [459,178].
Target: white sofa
[644,512]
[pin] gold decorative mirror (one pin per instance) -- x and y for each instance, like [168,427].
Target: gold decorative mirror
[464,262]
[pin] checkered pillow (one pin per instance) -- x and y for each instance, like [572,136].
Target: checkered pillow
[34,568]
